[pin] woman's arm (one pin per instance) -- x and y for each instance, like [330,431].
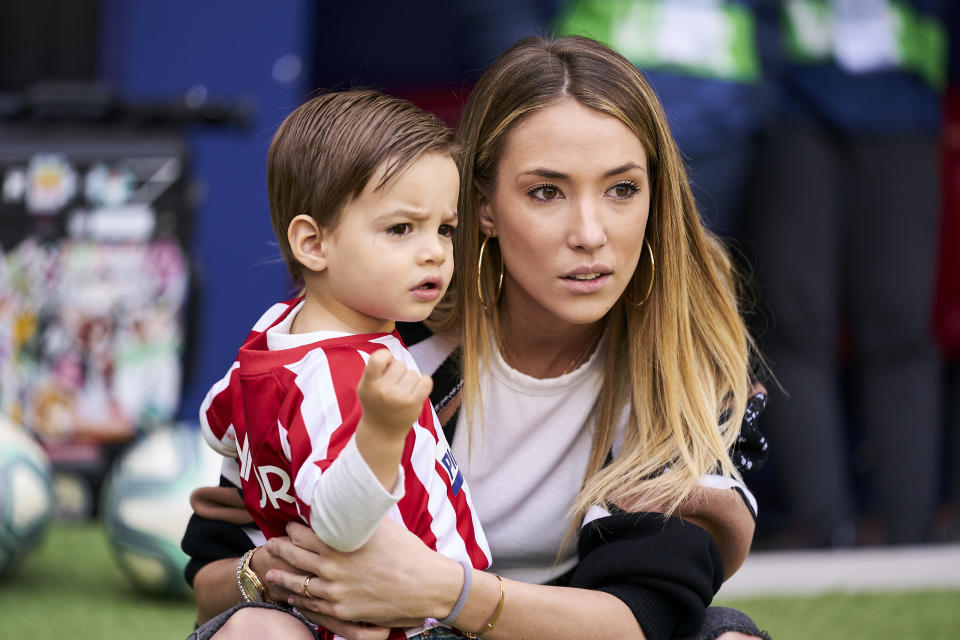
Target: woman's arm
[215,539]
[214,589]
[539,611]
[726,515]
[215,583]
[394,580]
[662,572]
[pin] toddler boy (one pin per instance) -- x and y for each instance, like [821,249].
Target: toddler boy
[324,408]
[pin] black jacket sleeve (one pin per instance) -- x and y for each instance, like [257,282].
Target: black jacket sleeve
[207,540]
[665,569]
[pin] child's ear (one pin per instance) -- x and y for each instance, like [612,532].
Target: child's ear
[306,242]
[485,213]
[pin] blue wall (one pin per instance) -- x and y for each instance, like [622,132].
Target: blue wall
[161,49]
[428,51]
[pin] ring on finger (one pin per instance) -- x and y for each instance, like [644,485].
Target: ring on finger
[306,587]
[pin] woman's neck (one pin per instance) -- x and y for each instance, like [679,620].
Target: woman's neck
[546,351]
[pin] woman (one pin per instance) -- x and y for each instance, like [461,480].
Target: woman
[596,327]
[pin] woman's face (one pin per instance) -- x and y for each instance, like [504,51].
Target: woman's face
[569,209]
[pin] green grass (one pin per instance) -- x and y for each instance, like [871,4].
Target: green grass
[71,588]
[931,615]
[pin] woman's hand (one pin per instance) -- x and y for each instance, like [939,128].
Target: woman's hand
[394,580]
[262,562]
[215,585]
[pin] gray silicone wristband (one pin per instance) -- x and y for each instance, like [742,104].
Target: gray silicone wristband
[464,592]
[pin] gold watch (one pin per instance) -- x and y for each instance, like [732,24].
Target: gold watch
[251,589]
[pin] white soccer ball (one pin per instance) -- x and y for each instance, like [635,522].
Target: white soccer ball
[26,494]
[146,505]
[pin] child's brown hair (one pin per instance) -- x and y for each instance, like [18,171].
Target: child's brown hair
[326,151]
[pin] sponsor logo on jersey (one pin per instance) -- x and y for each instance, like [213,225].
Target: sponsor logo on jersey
[453,470]
[262,474]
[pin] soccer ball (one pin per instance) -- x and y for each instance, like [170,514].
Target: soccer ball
[26,494]
[146,505]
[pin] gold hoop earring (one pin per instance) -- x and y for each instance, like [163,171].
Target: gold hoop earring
[653,271]
[496,298]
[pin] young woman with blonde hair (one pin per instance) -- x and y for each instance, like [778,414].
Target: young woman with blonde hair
[594,366]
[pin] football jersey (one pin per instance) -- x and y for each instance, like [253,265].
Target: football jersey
[287,415]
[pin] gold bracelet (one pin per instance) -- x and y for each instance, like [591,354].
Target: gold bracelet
[496,614]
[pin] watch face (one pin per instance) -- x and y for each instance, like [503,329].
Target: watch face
[250,588]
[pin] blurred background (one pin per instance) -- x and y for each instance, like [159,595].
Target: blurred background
[822,139]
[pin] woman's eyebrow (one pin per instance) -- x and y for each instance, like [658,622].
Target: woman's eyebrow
[556,175]
[623,169]
[545,173]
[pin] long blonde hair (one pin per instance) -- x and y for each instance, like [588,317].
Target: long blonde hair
[680,361]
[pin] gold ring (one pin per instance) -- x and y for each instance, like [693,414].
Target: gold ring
[306,587]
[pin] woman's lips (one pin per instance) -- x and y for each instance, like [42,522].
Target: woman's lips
[588,282]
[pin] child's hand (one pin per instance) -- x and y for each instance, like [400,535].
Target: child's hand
[392,396]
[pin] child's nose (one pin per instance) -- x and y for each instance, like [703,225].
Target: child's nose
[432,251]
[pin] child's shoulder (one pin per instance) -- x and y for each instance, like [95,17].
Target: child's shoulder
[275,314]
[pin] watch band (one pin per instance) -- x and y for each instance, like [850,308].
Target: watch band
[245,573]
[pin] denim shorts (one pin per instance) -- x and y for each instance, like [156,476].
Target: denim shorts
[210,627]
[718,620]
[438,633]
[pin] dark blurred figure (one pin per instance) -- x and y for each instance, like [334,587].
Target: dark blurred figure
[452,45]
[844,218]
[705,61]
[947,308]
[47,40]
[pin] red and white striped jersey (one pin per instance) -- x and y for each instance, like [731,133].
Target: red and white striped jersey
[287,414]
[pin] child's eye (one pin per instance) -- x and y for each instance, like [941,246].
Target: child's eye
[401,229]
[623,190]
[545,193]
[447,230]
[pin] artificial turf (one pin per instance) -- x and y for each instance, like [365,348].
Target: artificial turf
[70,587]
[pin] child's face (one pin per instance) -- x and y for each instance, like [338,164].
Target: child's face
[390,256]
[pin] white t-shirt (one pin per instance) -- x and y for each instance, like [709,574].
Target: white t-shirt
[528,459]
[526,463]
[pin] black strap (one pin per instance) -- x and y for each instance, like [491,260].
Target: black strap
[447,381]
[413,332]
